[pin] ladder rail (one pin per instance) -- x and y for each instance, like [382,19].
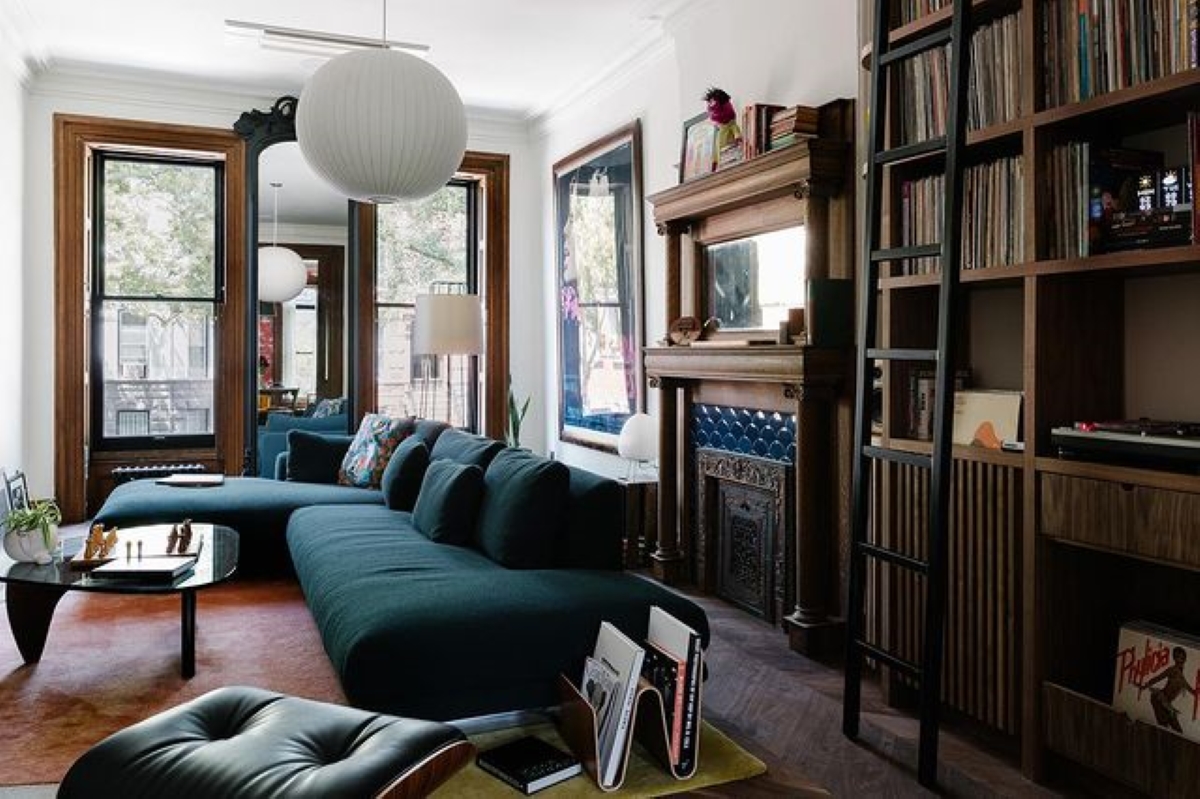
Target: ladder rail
[943,416]
[867,324]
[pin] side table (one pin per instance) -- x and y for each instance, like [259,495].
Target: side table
[641,519]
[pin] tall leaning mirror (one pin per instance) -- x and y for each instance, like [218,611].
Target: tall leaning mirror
[297,348]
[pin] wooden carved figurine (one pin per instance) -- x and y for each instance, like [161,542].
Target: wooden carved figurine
[185,536]
[95,541]
[172,539]
[110,543]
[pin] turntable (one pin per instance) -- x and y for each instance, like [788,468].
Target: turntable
[1148,442]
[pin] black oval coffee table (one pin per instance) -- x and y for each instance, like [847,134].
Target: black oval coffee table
[34,590]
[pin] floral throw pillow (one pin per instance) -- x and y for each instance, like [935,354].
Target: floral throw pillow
[373,445]
[329,407]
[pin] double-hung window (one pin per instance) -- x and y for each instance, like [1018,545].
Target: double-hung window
[157,278]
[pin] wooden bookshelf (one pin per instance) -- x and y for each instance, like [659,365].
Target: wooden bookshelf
[1062,330]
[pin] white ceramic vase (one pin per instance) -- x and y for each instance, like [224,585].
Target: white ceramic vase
[29,546]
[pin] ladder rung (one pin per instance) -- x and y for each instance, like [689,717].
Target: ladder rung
[902,354]
[894,557]
[899,456]
[927,42]
[902,253]
[906,151]
[900,664]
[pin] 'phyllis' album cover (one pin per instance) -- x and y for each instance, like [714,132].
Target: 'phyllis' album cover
[1158,678]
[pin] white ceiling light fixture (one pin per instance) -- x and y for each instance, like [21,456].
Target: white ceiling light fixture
[381,125]
[281,272]
[305,42]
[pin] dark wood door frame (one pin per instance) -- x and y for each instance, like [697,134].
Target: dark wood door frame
[75,138]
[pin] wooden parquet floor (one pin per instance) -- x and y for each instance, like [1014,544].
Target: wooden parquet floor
[787,710]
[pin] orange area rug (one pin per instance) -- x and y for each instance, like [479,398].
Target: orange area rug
[113,660]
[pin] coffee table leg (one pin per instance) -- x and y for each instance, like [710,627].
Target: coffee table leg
[30,608]
[188,634]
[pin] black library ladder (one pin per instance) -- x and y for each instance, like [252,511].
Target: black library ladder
[927,673]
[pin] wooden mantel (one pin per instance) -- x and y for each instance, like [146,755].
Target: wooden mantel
[809,184]
[808,168]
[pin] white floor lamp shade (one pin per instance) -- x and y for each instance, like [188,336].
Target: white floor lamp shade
[281,274]
[381,126]
[448,324]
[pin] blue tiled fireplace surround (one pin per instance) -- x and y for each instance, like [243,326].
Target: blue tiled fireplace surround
[745,431]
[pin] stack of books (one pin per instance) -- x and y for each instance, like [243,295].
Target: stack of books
[790,125]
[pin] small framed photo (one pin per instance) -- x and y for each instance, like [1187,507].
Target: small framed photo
[698,156]
[17,490]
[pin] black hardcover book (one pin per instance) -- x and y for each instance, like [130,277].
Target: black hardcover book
[529,764]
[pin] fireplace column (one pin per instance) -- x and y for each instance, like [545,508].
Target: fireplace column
[810,629]
[667,560]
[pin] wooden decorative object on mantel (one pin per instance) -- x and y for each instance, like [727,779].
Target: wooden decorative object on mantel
[808,184]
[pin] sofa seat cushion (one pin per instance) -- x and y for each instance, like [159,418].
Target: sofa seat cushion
[431,631]
[257,508]
[523,517]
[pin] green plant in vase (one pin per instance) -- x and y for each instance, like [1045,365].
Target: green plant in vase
[515,417]
[31,533]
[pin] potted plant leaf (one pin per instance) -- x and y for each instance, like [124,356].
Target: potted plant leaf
[516,415]
[31,533]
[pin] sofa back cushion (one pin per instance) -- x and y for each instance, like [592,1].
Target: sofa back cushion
[524,511]
[401,481]
[595,524]
[376,440]
[315,457]
[429,430]
[286,421]
[448,502]
[462,447]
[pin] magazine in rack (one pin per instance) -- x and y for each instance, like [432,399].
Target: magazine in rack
[655,696]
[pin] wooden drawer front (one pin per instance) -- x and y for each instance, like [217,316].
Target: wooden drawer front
[1151,522]
[1140,755]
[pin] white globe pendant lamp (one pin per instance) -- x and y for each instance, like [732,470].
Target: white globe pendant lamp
[281,272]
[381,125]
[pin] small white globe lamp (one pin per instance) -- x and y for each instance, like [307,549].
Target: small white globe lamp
[381,126]
[281,272]
[638,442]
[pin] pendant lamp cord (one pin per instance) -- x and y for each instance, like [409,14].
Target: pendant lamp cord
[275,217]
[383,40]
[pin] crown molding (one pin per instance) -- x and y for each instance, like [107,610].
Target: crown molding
[603,85]
[21,49]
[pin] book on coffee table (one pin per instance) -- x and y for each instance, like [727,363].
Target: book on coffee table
[529,764]
[163,569]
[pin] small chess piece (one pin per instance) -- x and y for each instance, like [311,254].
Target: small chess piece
[110,543]
[128,550]
[95,541]
[173,538]
[185,536]
[139,549]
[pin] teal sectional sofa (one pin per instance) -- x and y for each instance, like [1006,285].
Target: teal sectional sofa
[469,601]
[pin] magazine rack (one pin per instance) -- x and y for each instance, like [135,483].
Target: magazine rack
[648,723]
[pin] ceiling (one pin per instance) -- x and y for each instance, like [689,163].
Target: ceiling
[517,56]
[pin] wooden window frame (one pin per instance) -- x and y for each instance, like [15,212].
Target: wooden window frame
[492,169]
[75,137]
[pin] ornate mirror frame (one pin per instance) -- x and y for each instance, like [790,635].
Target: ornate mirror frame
[261,130]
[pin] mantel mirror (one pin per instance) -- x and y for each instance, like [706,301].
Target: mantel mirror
[751,282]
[598,227]
[296,350]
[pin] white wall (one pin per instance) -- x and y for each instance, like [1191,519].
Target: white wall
[127,96]
[12,246]
[780,51]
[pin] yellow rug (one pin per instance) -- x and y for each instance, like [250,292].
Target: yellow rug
[721,761]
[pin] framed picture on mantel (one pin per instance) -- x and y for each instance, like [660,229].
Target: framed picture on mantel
[598,250]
